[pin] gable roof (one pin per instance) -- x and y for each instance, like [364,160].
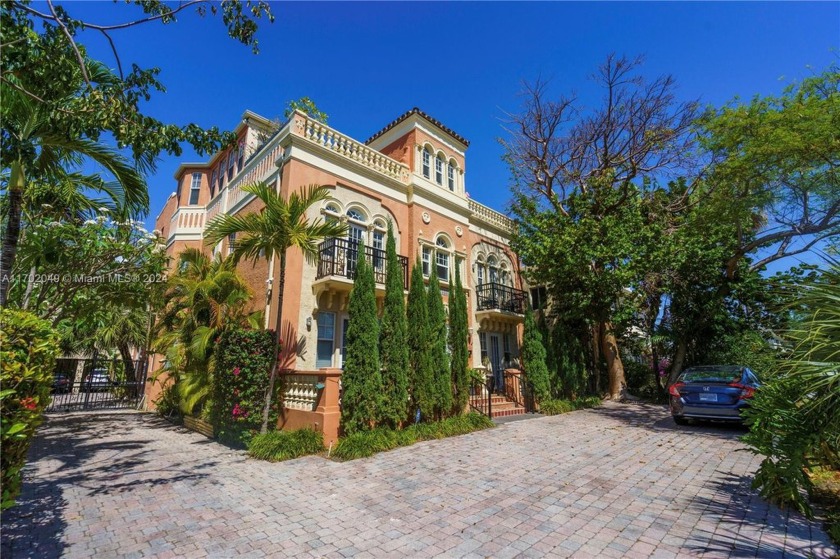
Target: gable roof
[416,111]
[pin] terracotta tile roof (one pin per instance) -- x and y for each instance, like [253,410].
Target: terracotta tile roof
[417,111]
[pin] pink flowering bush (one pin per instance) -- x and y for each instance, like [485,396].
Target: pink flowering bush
[243,365]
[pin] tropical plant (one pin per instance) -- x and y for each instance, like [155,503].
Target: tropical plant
[439,356]
[361,381]
[205,297]
[28,348]
[282,224]
[794,418]
[393,341]
[35,151]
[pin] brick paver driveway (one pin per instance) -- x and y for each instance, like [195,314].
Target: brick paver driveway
[619,481]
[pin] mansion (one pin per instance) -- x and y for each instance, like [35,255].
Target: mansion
[412,173]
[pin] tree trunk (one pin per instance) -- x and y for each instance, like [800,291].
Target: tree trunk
[128,362]
[615,368]
[273,377]
[679,359]
[12,232]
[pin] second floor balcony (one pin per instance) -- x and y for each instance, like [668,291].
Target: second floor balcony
[337,260]
[497,297]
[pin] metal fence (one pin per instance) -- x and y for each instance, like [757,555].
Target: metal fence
[87,384]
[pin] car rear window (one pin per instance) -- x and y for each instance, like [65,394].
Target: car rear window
[711,376]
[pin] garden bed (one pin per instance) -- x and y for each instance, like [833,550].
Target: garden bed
[199,426]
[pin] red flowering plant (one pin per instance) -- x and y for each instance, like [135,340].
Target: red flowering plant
[241,377]
[28,347]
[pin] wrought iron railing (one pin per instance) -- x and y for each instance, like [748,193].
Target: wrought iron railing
[338,257]
[481,396]
[85,384]
[503,297]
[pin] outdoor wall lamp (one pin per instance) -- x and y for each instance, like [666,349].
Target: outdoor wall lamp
[309,323]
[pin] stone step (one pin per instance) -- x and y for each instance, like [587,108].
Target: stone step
[508,412]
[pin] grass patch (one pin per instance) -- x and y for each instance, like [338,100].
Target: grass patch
[556,407]
[368,443]
[276,446]
[825,494]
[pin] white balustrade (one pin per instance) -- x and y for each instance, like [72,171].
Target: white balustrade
[301,392]
[490,216]
[347,147]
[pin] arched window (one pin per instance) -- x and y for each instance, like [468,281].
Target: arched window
[427,163]
[493,270]
[442,259]
[356,227]
[450,175]
[480,270]
[439,164]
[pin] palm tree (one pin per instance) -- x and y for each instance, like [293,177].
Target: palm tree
[281,225]
[36,149]
[204,298]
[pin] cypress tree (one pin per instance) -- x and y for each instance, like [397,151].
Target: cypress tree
[458,336]
[441,374]
[533,359]
[551,358]
[361,380]
[421,378]
[393,341]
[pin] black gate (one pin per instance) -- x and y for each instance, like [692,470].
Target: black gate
[88,384]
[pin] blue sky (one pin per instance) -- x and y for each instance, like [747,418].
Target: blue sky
[463,63]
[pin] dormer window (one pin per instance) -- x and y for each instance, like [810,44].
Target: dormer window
[427,164]
[439,170]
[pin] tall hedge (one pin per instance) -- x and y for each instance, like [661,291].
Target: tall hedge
[458,340]
[28,348]
[533,359]
[439,340]
[421,379]
[361,381]
[244,359]
[393,341]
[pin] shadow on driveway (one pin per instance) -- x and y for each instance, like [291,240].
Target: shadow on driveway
[87,453]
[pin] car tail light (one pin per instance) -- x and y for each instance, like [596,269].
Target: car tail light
[674,389]
[746,391]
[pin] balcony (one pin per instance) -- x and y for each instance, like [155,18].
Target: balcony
[496,298]
[337,266]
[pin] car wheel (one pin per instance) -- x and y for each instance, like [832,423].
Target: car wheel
[680,420]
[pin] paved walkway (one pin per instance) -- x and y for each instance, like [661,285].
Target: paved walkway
[619,481]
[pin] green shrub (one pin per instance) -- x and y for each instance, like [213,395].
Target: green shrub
[556,407]
[28,348]
[168,404]
[276,446]
[243,364]
[368,443]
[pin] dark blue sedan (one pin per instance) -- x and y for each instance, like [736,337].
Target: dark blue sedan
[717,392]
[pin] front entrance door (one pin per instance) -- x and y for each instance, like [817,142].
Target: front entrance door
[496,362]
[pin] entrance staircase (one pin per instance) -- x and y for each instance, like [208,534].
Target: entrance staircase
[499,406]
